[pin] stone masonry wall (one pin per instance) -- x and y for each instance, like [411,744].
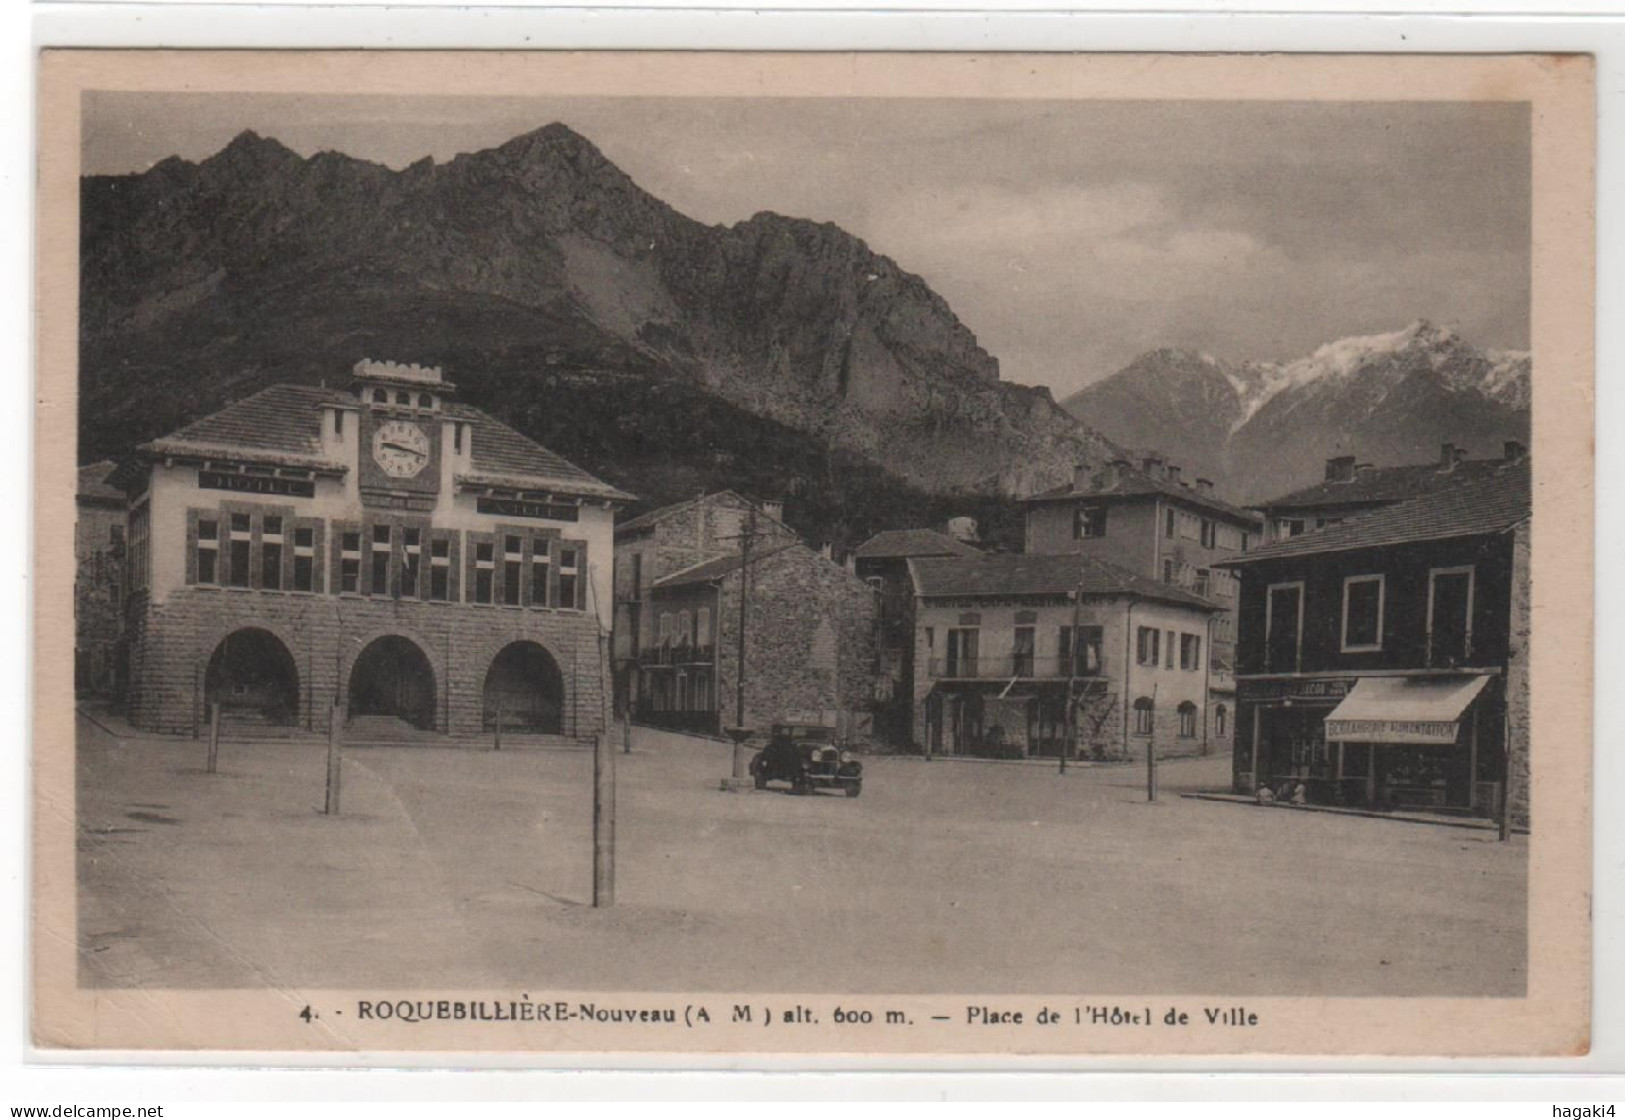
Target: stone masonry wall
[173,642]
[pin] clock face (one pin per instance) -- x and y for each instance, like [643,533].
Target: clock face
[401,448]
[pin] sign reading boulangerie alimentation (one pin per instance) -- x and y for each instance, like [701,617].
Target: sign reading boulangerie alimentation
[379,759]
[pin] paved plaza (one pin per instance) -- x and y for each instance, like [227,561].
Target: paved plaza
[462,868]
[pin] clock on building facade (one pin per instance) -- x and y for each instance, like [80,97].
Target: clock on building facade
[400,457]
[401,448]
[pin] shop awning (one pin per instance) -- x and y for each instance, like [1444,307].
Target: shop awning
[1403,710]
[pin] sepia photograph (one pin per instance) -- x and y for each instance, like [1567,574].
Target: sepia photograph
[916,545]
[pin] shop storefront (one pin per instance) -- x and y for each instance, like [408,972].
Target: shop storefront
[1398,742]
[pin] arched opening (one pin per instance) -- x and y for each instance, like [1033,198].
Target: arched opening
[524,690]
[253,678]
[393,677]
[1187,720]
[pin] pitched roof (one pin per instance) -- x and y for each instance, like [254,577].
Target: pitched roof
[655,516]
[708,570]
[1473,507]
[1386,484]
[282,424]
[1132,482]
[1038,574]
[93,485]
[891,543]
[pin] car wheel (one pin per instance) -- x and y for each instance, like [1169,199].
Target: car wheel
[854,788]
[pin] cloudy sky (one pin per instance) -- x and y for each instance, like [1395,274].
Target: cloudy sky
[1070,236]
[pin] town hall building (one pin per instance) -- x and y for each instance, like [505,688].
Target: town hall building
[382,548]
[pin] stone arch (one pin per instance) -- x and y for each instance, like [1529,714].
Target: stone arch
[393,674]
[525,685]
[252,674]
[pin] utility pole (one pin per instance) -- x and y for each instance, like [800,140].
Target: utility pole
[1151,751]
[740,780]
[1071,743]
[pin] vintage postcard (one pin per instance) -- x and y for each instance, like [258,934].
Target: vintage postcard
[858,554]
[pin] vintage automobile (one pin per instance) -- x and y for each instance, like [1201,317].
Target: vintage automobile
[808,756]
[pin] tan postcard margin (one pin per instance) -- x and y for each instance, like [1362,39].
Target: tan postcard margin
[1554,1018]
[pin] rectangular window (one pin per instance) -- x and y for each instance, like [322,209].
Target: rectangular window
[242,535]
[1172,638]
[702,627]
[569,578]
[962,652]
[381,540]
[338,421]
[1021,656]
[484,570]
[1204,579]
[1170,520]
[1187,720]
[304,557]
[271,554]
[512,566]
[540,563]
[1086,649]
[1190,652]
[457,438]
[350,561]
[440,569]
[1209,533]
[1362,613]
[1283,627]
[411,561]
[1148,645]
[1450,616]
[1170,573]
[1143,715]
[208,550]
[1089,521]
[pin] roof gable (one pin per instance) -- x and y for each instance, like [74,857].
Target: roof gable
[898,543]
[1038,574]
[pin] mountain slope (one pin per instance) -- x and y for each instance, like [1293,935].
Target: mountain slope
[1267,428]
[203,281]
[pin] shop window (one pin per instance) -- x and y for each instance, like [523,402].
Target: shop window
[1190,651]
[411,561]
[242,538]
[1362,613]
[379,565]
[208,550]
[1187,720]
[1144,713]
[271,553]
[1148,646]
[1089,521]
[512,565]
[569,578]
[440,569]
[304,558]
[350,561]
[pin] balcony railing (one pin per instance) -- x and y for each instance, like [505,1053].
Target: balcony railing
[676,655]
[1008,667]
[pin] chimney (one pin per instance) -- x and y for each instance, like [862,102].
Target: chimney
[775,510]
[1447,456]
[1512,450]
[1340,469]
[1173,474]
[1204,485]
[1114,474]
[1080,477]
[1152,465]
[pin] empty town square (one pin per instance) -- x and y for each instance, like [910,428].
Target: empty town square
[473,868]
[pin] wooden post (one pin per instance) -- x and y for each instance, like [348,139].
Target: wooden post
[214,737]
[603,822]
[335,759]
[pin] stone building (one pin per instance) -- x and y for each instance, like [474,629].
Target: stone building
[381,548]
[1148,518]
[98,583]
[1004,641]
[809,644]
[666,540]
[1384,660]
